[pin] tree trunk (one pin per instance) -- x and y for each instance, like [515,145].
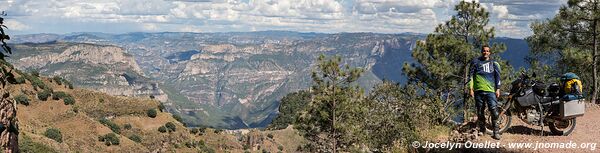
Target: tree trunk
[333,121]
[595,58]
[466,92]
[595,67]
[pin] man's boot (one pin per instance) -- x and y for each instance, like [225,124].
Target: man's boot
[496,135]
[481,121]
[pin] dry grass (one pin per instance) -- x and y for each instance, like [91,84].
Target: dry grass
[80,127]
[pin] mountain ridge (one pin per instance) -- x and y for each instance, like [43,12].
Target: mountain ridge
[235,76]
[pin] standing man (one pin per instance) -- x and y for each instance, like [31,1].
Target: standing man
[484,84]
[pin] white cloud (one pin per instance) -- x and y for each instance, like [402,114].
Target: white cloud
[299,15]
[501,11]
[16,25]
[150,27]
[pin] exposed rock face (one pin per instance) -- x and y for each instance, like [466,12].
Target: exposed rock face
[105,68]
[8,118]
[224,80]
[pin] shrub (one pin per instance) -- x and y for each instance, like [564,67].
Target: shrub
[69,101]
[59,95]
[192,144]
[113,126]
[127,126]
[68,84]
[151,113]
[170,126]
[218,130]
[37,83]
[152,97]
[270,136]
[162,129]
[28,145]
[76,109]
[53,134]
[35,73]
[22,99]
[161,107]
[43,95]
[202,129]
[57,79]
[194,131]
[110,139]
[19,80]
[280,148]
[178,118]
[135,138]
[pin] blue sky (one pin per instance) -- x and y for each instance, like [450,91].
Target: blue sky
[511,18]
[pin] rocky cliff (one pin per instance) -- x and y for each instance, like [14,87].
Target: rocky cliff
[229,80]
[101,67]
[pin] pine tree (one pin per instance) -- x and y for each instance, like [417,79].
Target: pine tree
[331,119]
[571,38]
[442,59]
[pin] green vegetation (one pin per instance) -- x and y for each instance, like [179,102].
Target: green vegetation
[162,129]
[54,134]
[442,60]
[135,138]
[570,41]
[113,126]
[194,131]
[289,108]
[57,80]
[69,84]
[109,139]
[161,107]
[170,127]
[69,101]
[151,113]
[27,145]
[20,80]
[59,95]
[178,118]
[22,99]
[43,95]
[127,126]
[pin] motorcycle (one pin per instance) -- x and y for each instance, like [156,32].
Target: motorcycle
[535,104]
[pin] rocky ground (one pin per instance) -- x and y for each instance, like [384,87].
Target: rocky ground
[585,137]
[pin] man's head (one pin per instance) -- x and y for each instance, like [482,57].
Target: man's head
[485,51]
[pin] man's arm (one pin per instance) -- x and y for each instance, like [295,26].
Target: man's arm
[470,75]
[497,78]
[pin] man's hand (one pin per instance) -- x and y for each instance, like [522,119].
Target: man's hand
[472,93]
[497,93]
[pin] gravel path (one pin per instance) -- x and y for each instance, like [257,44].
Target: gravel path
[585,138]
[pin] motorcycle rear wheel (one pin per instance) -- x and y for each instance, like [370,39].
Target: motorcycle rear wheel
[563,127]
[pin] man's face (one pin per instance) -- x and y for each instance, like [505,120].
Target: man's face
[486,52]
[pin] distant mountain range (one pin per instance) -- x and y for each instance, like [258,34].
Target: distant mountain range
[224,80]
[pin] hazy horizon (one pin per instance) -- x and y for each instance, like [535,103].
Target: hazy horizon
[511,18]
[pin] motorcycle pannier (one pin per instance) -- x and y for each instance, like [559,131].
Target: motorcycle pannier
[572,108]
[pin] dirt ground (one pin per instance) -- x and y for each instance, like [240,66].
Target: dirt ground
[585,138]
